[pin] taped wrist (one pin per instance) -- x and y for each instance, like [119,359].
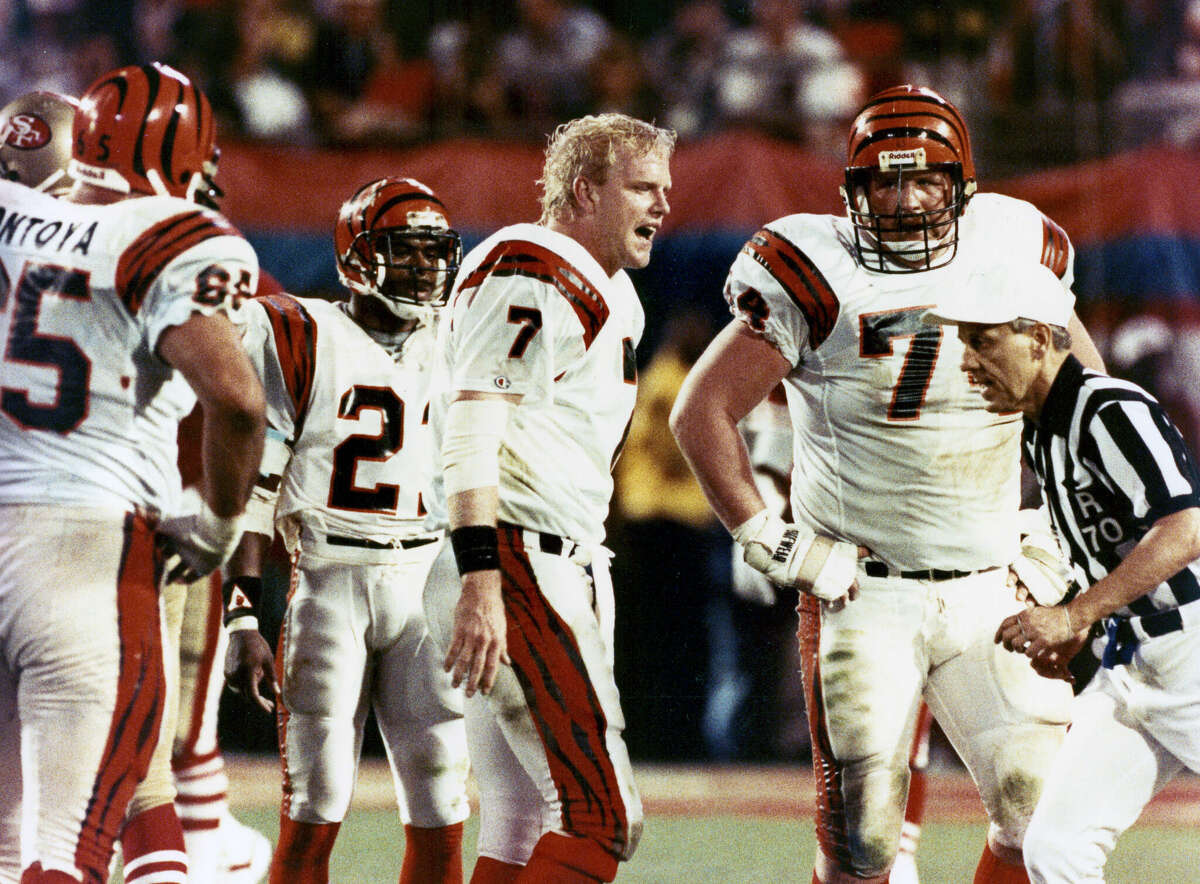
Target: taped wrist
[471,443]
[794,555]
[241,596]
[476,548]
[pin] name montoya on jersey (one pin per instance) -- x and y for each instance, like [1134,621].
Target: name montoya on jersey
[86,291]
[892,447]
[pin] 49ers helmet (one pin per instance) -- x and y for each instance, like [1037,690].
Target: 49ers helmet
[146,129]
[908,129]
[35,140]
[377,238]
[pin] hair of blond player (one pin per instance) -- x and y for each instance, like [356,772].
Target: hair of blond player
[589,147]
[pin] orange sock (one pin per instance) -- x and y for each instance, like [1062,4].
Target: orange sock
[561,859]
[493,871]
[432,856]
[302,854]
[155,831]
[993,870]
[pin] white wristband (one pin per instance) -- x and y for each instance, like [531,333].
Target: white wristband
[245,621]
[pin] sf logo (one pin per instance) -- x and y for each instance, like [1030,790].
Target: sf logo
[25,132]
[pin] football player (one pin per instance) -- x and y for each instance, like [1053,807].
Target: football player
[35,149]
[768,433]
[116,313]
[535,384]
[344,480]
[904,489]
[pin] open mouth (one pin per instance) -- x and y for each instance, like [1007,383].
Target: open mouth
[645,231]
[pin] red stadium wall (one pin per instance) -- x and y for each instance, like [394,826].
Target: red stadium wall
[1133,217]
[734,181]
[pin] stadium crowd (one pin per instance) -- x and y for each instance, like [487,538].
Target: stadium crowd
[370,72]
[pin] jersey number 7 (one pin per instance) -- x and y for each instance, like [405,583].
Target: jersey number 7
[877,334]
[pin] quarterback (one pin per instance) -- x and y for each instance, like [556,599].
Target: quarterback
[344,480]
[905,489]
[534,386]
[116,303]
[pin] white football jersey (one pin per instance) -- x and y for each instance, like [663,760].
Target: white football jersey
[532,313]
[88,411]
[347,450]
[892,447]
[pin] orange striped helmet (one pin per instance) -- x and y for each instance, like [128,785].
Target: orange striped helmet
[903,130]
[146,129]
[35,140]
[394,242]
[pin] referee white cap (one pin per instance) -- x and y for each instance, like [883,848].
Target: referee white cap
[1004,292]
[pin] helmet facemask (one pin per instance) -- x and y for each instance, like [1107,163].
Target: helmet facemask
[409,269]
[905,141]
[904,240]
[395,245]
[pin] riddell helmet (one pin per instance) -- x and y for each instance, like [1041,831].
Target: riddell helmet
[907,129]
[146,129]
[374,231]
[35,140]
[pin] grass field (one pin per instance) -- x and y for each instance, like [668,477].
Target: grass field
[721,849]
[735,825]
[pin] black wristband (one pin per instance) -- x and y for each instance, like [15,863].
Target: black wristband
[476,548]
[241,596]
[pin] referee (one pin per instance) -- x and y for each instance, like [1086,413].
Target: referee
[1123,493]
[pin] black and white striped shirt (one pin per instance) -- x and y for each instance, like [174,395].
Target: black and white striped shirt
[1111,464]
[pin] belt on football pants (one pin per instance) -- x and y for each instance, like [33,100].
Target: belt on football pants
[1126,633]
[879,569]
[364,543]
[541,540]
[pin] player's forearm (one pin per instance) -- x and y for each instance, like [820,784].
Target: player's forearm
[247,560]
[476,506]
[716,452]
[233,446]
[1170,544]
[207,351]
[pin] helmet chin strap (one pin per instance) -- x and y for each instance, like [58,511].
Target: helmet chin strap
[157,183]
[403,309]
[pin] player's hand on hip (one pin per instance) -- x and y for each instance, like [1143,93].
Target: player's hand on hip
[196,541]
[250,668]
[794,555]
[1039,631]
[478,643]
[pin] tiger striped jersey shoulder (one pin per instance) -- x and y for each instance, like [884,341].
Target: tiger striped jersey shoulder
[531,252]
[785,282]
[159,244]
[293,336]
[93,290]
[1005,227]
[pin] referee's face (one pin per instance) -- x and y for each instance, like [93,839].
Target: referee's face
[1001,364]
